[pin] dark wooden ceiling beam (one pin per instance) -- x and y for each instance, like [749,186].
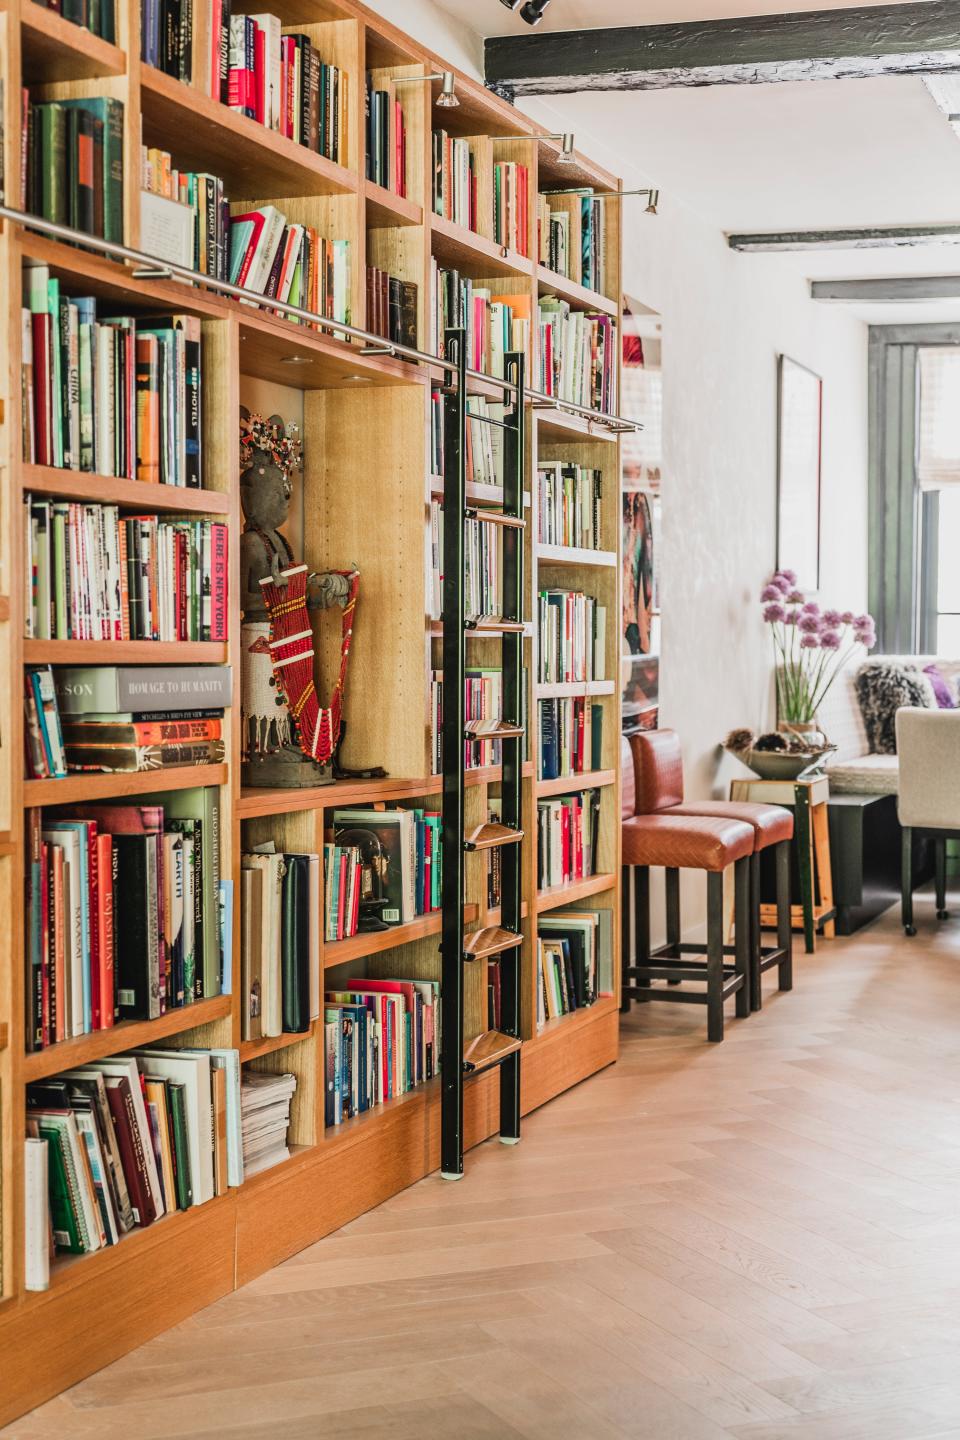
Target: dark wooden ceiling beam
[898,289]
[893,237]
[900,39]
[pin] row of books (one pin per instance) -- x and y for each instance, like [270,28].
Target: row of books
[574,961]
[123,913]
[494,324]
[45,757]
[97,16]
[392,307]
[482,707]
[290,262]
[571,236]
[166,37]
[386,136]
[381,1039]
[279,942]
[109,394]
[71,165]
[392,875]
[573,637]
[567,834]
[116,1144]
[568,504]
[281,82]
[511,206]
[482,548]
[93,574]
[577,355]
[201,193]
[571,737]
[483,448]
[455,180]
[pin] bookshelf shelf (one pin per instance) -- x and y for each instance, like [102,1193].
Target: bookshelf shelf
[384,208]
[127,1035]
[473,254]
[343,952]
[557,425]
[284,353]
[254,801]
[566,784]
[135,495]
[124,652]
[253,1049]
[56,50]
[558,895]
[206,135]
[573,555]
[585,1015]
[549,282]
[576,687]
[74,789]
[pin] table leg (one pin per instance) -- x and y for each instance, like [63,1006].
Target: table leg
[804,840]
[824,871]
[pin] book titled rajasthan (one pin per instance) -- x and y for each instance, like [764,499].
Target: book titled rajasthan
[114,689]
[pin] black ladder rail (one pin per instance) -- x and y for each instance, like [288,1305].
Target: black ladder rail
[504,940]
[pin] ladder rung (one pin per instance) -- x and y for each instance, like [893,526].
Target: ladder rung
[492,730]
[493,940]
[491,835]
[488,1049]
[496,517]
[494,625]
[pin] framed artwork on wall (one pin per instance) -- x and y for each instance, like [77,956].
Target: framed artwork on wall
[799,457]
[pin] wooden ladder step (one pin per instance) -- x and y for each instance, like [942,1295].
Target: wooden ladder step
[488,1049]
[492,835]
[494,625]
[493,940]
[492,730]
[496,517]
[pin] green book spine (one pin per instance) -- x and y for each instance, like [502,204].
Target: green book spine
[53,164]
[56,367]
[66,1225]
[110,113]
[183,1181]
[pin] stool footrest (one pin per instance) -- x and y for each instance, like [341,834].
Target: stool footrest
[684,997]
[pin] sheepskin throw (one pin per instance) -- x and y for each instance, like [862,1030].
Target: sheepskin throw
[884,689]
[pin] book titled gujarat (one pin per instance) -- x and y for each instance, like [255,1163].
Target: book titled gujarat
[381,1039]
[97,16]
[280,920]
[74,164]
[567,837]
[109,394]
[392,307]
[116,1144]
[98,575]
[290,262]
[386,135]
[149,873]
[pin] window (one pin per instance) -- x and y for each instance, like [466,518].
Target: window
[938,476]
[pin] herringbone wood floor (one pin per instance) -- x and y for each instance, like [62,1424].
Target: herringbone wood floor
[758,1239]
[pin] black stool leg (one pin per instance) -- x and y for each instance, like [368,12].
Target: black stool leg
[756,937]
[625,953]
[940,856]
[744,950]
[641,922]
[906,881]
[784,919]
[672,896]
[715,955]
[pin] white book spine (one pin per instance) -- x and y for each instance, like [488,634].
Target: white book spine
[36,1215]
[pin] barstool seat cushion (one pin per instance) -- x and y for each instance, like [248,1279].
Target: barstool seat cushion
[771,823]
[685,842]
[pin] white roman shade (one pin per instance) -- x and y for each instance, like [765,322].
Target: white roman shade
[938,420]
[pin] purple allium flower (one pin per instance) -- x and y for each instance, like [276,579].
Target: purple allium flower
[781,583]
[863,622]
[809,624]
[833,618]
[865,635]
[791,617]
[795,597]
[848,617]
[789,575]
[774,613]
[811,608]
[830,640]
[809,642]
[771,592]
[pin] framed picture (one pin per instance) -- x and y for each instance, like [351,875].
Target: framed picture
[799,448]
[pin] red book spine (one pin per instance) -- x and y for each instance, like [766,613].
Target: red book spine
[46,1027]
[219,581]
[130,1143]
[93,909]
[104,913]
[259,74]
[342,896]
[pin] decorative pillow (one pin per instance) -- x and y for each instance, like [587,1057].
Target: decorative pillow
[884,689]
[942,689]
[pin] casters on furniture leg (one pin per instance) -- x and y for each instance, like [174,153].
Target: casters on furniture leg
[909,929]
[943,914]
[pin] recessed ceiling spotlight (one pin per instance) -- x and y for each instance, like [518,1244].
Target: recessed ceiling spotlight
[295,360]
[532,12]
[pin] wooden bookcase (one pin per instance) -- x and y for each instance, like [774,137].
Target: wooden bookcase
[366,489]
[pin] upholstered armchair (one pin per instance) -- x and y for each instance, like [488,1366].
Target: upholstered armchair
[928,747]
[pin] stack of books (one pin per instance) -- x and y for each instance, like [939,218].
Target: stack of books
[400,852]
[290,262]
[571,236]
[204,195]
[455,181]
[97,16]
[392,307]
[570,496]
[567,833]
[571,737]
[573,637]
[113,395]
[482,587]
[46,758]
[495,324]
[381,1039]
[386,137]
[573,961]
[279,943]
[511,206]
[72,163]
[123,913]
[123,1142]
[281,82]
[97,575]
[265,1102]
[577,355]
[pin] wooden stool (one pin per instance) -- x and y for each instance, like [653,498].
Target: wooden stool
[808,800]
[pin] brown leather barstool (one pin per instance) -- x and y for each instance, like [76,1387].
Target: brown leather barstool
[657,762]
[687,842]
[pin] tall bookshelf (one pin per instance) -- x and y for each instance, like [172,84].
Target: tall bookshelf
[367,486]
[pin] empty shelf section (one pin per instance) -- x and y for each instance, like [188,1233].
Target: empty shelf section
[493,940]
[488,1049]
[490,836]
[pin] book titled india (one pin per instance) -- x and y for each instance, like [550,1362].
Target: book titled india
[115,689]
